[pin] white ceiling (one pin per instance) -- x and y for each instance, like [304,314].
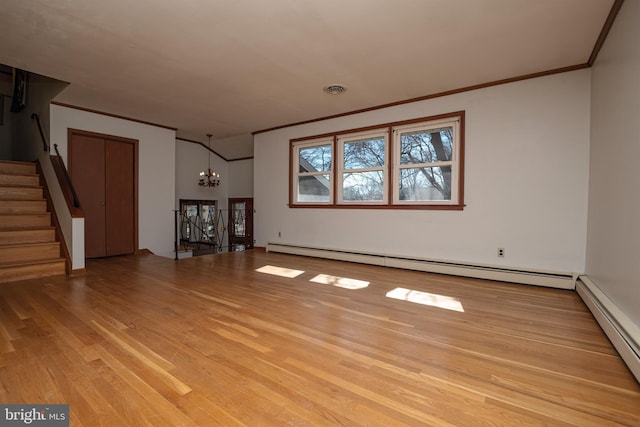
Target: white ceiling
[233,67]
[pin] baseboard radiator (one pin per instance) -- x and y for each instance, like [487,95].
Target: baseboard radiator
[621,331]
[539,278]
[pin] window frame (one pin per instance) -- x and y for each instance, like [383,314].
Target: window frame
[343,139]
[391,169]
[454,123]
[295,173]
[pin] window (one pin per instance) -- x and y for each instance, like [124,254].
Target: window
[312,163]
[427,154]
[363,168]
[415,164]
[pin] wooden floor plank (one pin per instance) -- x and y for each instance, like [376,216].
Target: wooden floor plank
[211,340]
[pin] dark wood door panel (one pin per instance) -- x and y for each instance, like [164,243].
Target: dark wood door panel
[87,170]
[119,189]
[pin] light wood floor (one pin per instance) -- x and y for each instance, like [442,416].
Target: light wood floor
[145,340]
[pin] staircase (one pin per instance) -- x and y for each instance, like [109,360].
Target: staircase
[28,246]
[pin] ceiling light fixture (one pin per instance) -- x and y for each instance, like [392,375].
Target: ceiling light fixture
[209,178]
[335,89]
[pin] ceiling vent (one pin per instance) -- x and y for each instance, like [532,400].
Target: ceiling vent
[335,89]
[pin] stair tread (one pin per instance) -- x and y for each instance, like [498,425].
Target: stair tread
[35,262]
[29,228]
[8,167]
[24,213]
[21,186]
[17,162]
[26,221]
[34,199]
[12,173]
[22,245]
[26,235]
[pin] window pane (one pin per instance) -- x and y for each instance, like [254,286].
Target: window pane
[425,183]
[315,159]
[365,153]
[426,146]
[363,186]
[238,216]
[208,219]
[313,188]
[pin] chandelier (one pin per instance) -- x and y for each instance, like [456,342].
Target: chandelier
[209,178]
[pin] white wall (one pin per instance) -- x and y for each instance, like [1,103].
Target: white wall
[191,159]
[236,177]
[527,147]
[156,165]
[613,239]
[241,178]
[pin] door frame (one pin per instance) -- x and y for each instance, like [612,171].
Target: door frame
[134,142]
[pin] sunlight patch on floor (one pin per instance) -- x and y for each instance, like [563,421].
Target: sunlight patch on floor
[425,298]
[279,271]
[341,282]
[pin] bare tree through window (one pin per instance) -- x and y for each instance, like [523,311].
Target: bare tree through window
[411,164]
[363,175]
[423,151]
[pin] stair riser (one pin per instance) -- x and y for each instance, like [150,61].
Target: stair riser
[25,221]
[24,272]
[18,168]
[20,193]
[23,206]
[28,249]
[16,237]
[19,180]
[13,254]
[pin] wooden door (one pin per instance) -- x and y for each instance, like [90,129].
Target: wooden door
[240,223]
[103,170]
[119,195]
[87,170]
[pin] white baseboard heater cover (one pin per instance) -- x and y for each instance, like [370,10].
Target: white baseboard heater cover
[621,331]
[527,277]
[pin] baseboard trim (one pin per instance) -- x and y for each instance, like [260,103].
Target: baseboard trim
[79,272]
[479,271]
[621,331]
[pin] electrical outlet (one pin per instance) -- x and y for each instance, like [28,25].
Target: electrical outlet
[500,252]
